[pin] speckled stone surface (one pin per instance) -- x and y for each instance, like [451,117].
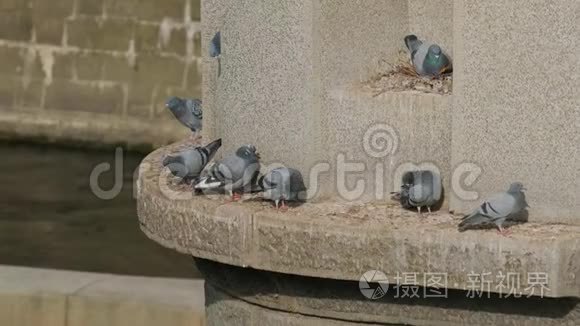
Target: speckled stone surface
[343,240]
[415,130]
[433,21]
[233,291]
[516,109]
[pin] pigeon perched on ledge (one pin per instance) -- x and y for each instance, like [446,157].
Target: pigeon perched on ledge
[187,111]
[428,59]
[215,46]
[283,185]
[215,50]
[235,173]
[189,163]
[419,189]
[497,209]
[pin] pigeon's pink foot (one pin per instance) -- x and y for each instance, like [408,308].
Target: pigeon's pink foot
[235,197]
[504,232]
[284,207]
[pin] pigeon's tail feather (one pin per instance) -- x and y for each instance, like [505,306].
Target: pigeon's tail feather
[208,183]
[412,43]
[213,147]
[471,220]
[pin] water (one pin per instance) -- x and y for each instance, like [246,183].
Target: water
[49,216]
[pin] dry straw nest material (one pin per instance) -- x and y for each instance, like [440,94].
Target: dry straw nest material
[401,76]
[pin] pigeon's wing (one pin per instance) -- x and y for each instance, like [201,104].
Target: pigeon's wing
[418,58]
[498,206]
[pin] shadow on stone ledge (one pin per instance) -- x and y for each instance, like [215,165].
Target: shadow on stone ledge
[342,300]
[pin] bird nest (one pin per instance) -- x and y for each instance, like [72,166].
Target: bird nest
[401,76]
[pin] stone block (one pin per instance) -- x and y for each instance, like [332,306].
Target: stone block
[125,8]
[154,10]
[29,94]
[49,30]
[90,7]
[12,59]
[195,10]
[515,111]
[56,9]
[140,100]
[148,38]
[387,135]
[194,78]
[151,69]
[8,86]
[64,66]
[88,97]
[32,310]
[16,25]
[48,20]
[433,21]
[107,34]
[89,65]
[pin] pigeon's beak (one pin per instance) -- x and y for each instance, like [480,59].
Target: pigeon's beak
[258,156]
[524,189]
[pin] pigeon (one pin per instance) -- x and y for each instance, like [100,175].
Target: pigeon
[497,209]
[419,189]
[282,185]
[215,46]
[428,59]
[189,163]
[187,111]
[215,50]
[234,173]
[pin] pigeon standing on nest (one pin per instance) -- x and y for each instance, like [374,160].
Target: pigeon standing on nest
[427,58]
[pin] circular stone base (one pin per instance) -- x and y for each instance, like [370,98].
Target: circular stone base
[244,296]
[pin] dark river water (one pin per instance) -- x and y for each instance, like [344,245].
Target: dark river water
[50,217]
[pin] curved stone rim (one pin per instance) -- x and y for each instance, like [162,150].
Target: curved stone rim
[335,241]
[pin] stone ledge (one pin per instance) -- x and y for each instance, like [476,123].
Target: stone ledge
[343,240]
[30,297]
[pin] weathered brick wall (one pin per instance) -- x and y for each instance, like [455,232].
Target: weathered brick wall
[95,63]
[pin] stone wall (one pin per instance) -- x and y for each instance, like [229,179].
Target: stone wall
[96,70]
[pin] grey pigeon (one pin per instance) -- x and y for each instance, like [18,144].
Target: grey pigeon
[187,111]
[428,58]
[189,163]
[215,46]
[234,173]
[497,209]
[419,189]
[282,185]
[215,50]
